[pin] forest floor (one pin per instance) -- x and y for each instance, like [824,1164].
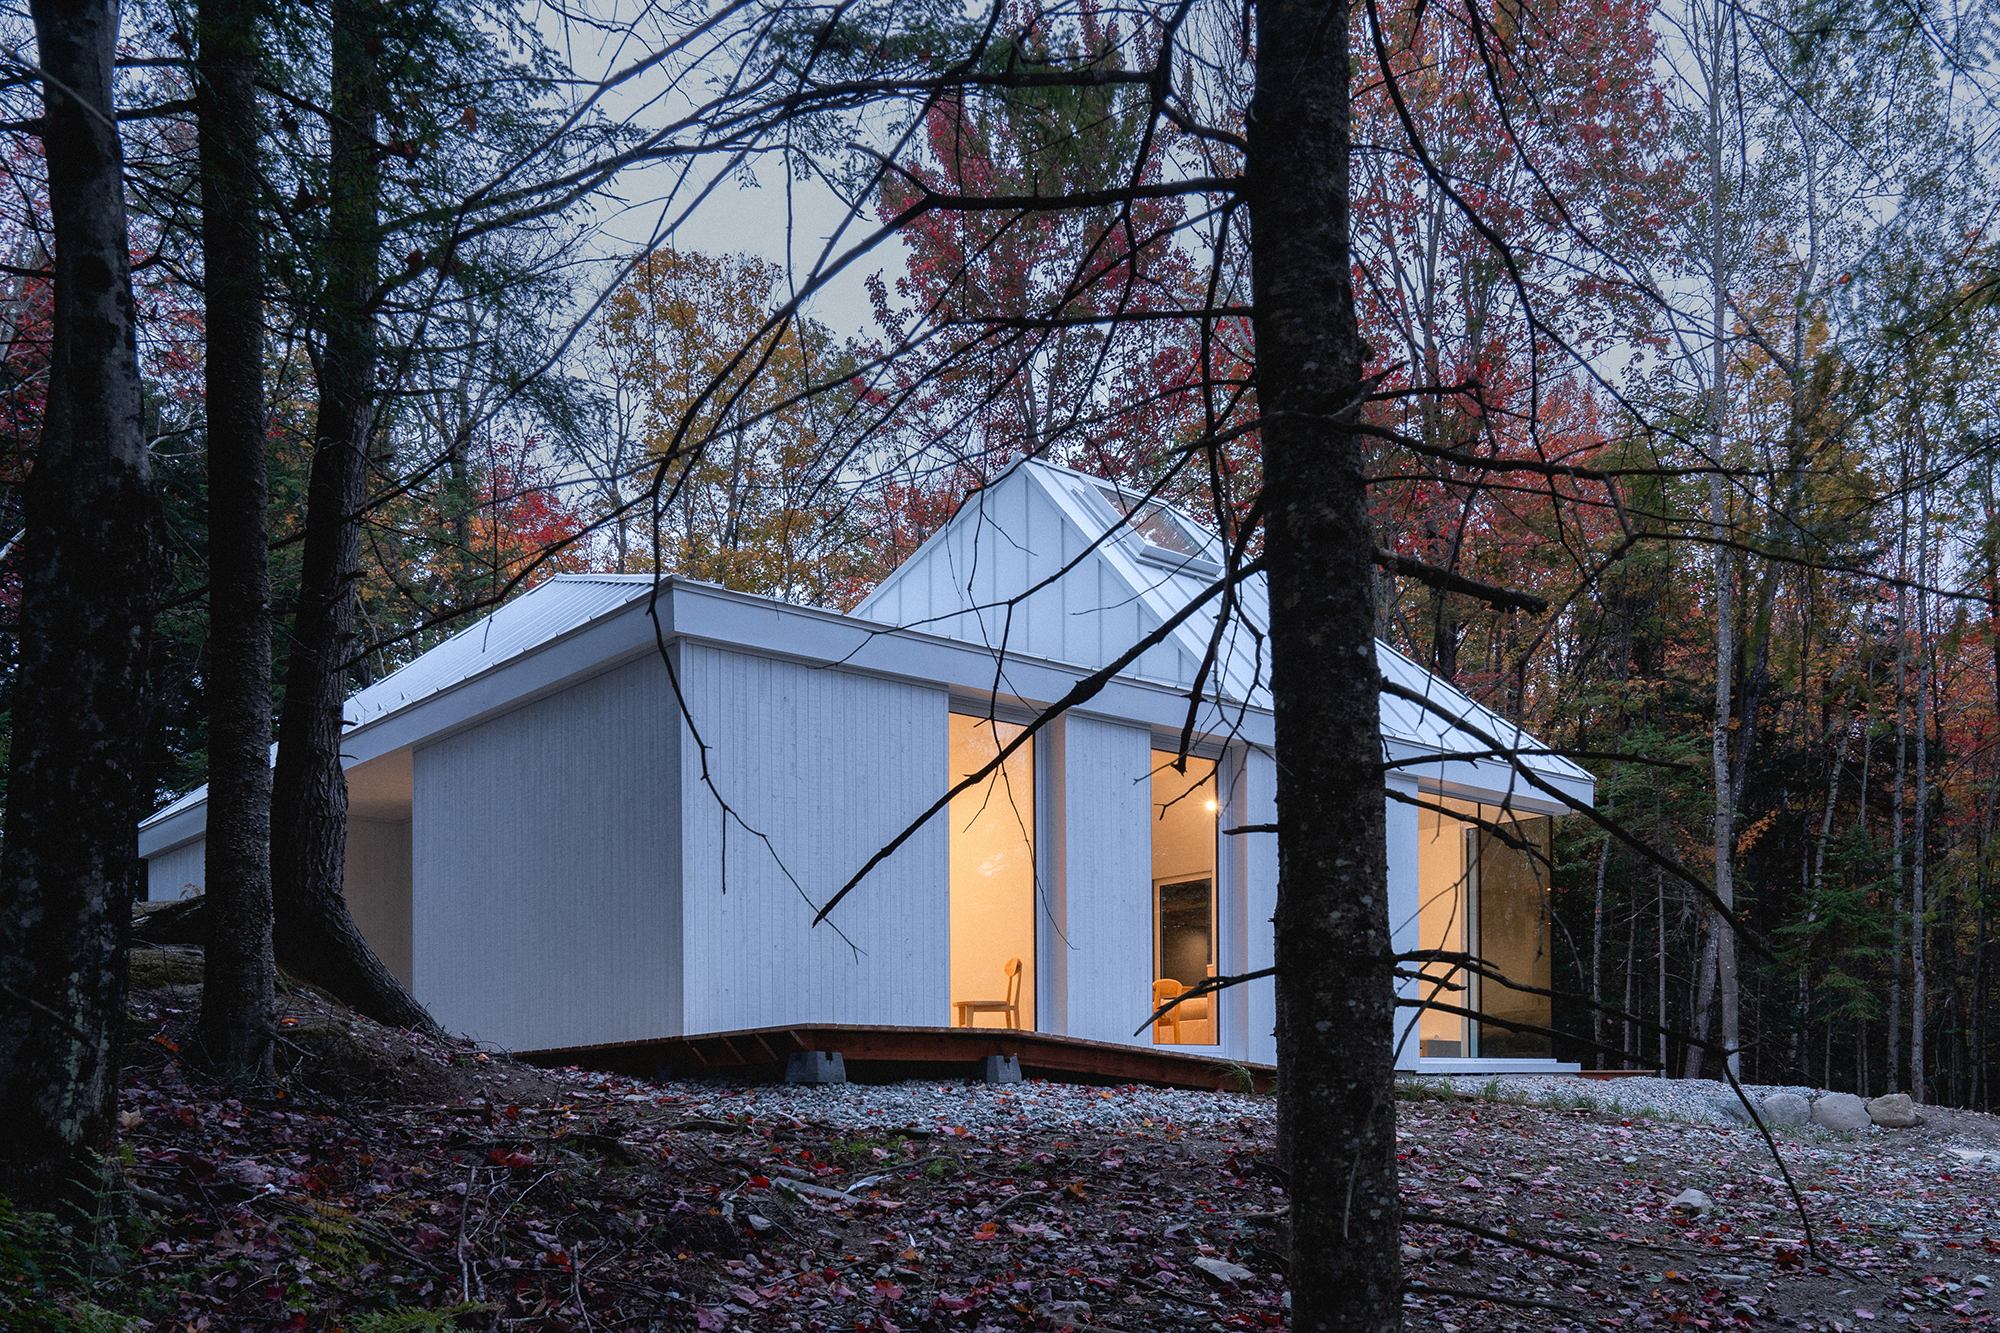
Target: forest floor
[405,1185]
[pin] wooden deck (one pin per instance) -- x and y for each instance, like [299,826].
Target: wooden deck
[876,1054]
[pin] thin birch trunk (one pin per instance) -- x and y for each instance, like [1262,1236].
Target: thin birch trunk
[1894,1054]
[1597,958]
[1723,936]
[1920,842]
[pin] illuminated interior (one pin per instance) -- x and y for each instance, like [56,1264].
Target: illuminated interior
[992,878]
[1476,893]
[1184,834]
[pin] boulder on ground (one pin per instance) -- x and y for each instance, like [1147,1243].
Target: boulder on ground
[1842,1111]
[1692,1201]
[1728,1106]
[1895,1111]
[1785,1108]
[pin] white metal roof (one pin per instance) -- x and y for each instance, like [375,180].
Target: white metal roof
[545,612]
[1103,580]
[530,620]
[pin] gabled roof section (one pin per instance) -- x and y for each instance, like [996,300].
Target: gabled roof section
[1058,564]
[548,611]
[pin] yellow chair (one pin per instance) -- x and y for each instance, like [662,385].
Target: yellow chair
[1011,1006]
[1193,1012]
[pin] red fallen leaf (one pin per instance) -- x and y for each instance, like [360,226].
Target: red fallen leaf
[887,1291]
[502,1157]
[985,1231]
[759,1183]
[710,1320]
[955,1303]
[188,1118]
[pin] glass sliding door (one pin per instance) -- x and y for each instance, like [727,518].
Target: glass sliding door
[992,878]
[1511,883]
[1443,922]
[1184,819]
[1482,889]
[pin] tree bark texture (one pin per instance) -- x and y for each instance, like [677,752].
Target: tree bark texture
[315,934]
[1334,954]
[87,573]
[238,1002]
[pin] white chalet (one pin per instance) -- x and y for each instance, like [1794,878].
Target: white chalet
[550,854]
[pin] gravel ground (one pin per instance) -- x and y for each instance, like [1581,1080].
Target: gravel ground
[976,1109]
[1696,1100]
[960,1109]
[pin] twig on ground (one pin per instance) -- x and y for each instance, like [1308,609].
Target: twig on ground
[1501,1237]
[1519,1302]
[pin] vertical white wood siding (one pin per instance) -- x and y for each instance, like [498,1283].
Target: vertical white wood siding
[830,765]
[1108,875]
[1052,948]
[547,904]
[181,873]
[377,888]
[1260,806]
[1005,540]
[1232,900]
[1404,837]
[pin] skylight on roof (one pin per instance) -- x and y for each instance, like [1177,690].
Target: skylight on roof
[1156,525]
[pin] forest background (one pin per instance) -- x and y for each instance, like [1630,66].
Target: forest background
[535,389]
[1680,332]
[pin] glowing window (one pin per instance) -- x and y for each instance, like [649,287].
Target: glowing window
[992,878]
[1184,945]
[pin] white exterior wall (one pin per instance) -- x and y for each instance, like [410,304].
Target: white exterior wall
[1404,836]
[1107,872]
[180,873]
[376,884]
[546,911]
[1052,949]
[830,765]
[1260,854]
[1232,880]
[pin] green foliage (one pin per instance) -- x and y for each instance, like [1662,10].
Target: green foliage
[417,1321]
[34,1272]
[1238,1077]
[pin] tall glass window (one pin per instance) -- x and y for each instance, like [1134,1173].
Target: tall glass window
[1184,945]
[992,878]
[1487,895]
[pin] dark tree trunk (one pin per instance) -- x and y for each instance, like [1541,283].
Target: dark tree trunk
[1336,999]
[87,573]
[238,1003]
[316,936]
